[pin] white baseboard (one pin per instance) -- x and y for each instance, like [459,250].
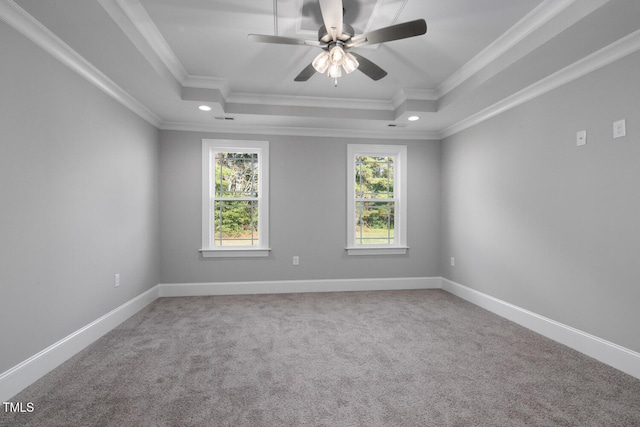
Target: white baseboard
[297,286]
[26,373]
[621,358]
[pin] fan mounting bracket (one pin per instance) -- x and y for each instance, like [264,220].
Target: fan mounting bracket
[325,36]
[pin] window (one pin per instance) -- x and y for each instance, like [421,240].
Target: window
[376,199]
[235,200]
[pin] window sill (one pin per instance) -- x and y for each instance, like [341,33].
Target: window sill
[377,250]
[235,252]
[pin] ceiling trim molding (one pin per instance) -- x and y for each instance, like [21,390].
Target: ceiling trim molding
[316,107]
[43,37]
[275,17]
[407,96]
[134,13]
[125,18]
[214,91]
[135,22]
[601,58]
[421,94]
[308,101]
[535,19]
[376,12]
[399,99]
[205,82]
[35,31]
[392,133]
[27,25]
[400,10]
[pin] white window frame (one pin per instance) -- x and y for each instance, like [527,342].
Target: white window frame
[399,153]
[209,148]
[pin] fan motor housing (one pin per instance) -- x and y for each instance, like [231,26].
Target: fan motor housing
[325,37]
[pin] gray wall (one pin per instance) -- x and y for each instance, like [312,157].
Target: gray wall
[88,189]
[78,201]
[307,213]
[548,226]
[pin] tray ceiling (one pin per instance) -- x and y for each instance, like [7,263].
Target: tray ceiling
[169,56]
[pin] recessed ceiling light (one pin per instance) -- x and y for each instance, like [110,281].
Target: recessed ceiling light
[413,118]
[204,108]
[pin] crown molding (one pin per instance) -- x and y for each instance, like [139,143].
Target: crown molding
[43,37]
[535,19]
[208,83]
[421,94]
[31,28]
[308,101]
[405,101]
[228,128]
[135,22]
[305,106]
[601,58]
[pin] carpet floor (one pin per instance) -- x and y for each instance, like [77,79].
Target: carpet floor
[390,358]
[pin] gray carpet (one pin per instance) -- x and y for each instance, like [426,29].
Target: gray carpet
[396,358]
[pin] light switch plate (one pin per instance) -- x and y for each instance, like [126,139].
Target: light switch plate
[619,129]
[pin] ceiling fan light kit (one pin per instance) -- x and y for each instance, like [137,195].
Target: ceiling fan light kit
[334,71]
[350,63]
[321,63]
[334,61]
[336,55]
[336,38]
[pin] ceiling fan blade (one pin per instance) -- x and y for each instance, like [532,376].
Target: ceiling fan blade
[393,32]
[332,16]
[276,39]
[305,74]
[369,68]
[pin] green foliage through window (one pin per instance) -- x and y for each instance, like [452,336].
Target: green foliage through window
[235,205]
[375,203]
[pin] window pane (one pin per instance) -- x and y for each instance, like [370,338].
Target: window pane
[235,222]
[236,174]
[374,223]
[374,177]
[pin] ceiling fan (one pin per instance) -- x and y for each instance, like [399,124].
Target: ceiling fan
[337,39]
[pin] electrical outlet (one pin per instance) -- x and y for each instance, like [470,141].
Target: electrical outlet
[116,281]
[453,261]
[296,260]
